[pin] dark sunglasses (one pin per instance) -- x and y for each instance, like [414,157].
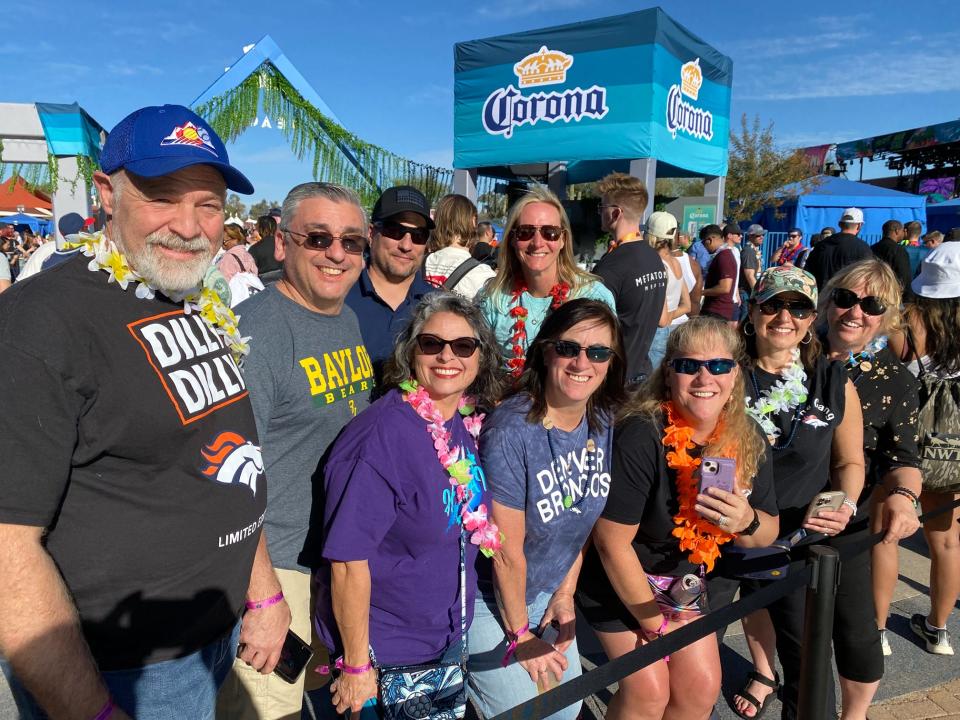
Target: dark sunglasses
[601,208]
[800,309]
[318,240]
[462,347]
[793,237]
[525,233]
[689,366]
[396,231]
[871,305]
[570,349]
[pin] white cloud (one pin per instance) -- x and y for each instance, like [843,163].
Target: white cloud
[502,9]
[132,69]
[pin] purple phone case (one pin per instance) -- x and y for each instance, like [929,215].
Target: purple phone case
[724,478]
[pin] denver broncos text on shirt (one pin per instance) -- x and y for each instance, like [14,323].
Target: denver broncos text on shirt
[577,475]
[194,363]
[338,374]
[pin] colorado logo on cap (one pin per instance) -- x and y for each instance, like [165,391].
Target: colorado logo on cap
[190,134]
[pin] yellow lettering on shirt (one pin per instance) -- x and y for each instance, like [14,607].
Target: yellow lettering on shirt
[311,367]
[333,378]
[347,370]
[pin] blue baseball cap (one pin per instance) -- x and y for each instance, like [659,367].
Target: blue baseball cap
[159,140]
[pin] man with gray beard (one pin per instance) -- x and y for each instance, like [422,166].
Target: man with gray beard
[133,488]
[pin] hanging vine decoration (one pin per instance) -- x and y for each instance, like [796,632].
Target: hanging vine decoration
[46,176]
[336,154]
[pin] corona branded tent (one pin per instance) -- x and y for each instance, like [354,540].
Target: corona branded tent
[595,95]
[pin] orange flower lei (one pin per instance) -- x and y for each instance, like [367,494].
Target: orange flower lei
[696,534]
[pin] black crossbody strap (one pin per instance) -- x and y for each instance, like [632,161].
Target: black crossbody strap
[458,273]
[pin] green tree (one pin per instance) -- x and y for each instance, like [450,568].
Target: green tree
[758,168]
[262,207]
[433,185]
[493,205]
[234,207]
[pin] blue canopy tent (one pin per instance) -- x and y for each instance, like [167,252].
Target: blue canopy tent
[944,216]
[21,220]
[819,204]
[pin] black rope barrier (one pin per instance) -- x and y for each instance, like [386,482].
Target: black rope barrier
[595,680]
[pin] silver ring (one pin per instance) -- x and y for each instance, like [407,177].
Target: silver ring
[722,521]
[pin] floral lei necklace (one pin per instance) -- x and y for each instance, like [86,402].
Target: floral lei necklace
[697,535]
[518,336]
[215,313]
[787,394]
[456,462]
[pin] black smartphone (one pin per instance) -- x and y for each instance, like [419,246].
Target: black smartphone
[293,658]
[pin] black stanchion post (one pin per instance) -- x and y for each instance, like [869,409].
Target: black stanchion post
[815,665]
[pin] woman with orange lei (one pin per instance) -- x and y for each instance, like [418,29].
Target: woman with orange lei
[659,535]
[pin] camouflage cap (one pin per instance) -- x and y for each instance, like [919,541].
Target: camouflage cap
[780,279]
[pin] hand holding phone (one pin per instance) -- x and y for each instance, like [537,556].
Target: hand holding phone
[815,519]
[293,658]
[718,472]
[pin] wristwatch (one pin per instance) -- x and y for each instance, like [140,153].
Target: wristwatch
[752,527]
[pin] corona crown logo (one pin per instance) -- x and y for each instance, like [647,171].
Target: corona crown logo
[691,78]
[544,67]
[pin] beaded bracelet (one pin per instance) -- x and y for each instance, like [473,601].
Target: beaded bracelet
[908,493]
[106,711]
[514,638]
[852,505]
[260,604]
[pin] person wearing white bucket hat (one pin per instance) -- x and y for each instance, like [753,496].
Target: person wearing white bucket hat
[930,346]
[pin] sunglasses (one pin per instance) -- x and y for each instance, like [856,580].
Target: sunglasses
[318,240]
[690,366]
[396,231]
[570,349]
[793,237]
[871,305]
[462,347]
[601,208]
[800,309]
[525,233]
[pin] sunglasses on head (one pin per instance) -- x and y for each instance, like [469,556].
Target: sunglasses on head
[395,231]
[525,233]
[690,366]
[462,347]
[570,349]
[319,240]
[800,309]
[871,305]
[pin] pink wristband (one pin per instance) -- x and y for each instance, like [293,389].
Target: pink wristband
[260,604]
[106,711]
[512,646]
[659,634]
[352,669]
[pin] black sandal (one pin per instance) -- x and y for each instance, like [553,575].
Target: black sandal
[754,676]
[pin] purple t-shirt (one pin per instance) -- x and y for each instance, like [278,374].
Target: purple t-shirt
[389,501]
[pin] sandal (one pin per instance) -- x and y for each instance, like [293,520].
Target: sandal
[754,676]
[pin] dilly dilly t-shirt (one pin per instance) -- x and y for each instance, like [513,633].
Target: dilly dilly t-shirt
[309,375]
[126,432]
[533,469]
[390,502]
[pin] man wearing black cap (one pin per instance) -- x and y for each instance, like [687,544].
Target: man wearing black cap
[391,284]
[133,488]
[720,297]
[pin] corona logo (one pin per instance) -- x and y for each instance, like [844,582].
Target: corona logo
[681,115]
[691,78]
[544,67]
[507,108]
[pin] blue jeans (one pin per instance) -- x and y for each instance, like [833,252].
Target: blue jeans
[494,688]
[170,690]
[658,347]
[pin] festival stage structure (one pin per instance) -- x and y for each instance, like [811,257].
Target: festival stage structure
[637,93]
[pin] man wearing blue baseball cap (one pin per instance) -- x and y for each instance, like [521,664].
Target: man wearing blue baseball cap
[133,487]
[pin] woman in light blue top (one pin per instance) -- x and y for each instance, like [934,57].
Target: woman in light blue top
[537,273]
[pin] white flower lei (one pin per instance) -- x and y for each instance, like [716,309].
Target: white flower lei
[213,311]
[786,394]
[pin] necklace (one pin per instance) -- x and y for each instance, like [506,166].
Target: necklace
[786,394]
[697,535]
[203,300]
[518,335]
[458,464]
[591,448]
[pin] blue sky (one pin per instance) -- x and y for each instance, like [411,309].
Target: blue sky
[821,71]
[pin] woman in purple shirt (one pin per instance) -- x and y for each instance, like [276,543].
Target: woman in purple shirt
[402,484]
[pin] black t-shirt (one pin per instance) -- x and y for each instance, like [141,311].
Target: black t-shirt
[895,255]
[643,492]
[262,254]
[801,468]
[889,396]
[831,255]
[636,276]
[127,433]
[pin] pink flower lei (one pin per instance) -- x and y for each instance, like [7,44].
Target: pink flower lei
[458,465]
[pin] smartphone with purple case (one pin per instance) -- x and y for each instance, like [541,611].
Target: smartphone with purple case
[718,472]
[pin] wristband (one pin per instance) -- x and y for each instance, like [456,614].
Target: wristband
[260,604]
[908,493]
[658,634]
[352,669]
[514,638]
[852,505]
[106,711]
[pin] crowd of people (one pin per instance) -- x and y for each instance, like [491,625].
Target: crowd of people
[387,461]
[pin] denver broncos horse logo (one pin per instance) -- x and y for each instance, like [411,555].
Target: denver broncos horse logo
[233,460]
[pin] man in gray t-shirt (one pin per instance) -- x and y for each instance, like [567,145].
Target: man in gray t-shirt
[308,374]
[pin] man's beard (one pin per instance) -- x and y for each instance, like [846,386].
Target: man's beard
[165,273]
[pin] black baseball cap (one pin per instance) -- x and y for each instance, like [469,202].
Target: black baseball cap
[70,224]
[732,229]
[401,199]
